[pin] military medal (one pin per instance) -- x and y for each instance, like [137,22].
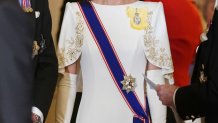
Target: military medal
[42,44]
[202,76]
[128,83]
[35,49]
[26,6]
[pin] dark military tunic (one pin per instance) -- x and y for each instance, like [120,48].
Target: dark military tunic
[45,61]
[201,98]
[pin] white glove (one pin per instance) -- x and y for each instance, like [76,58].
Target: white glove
[157,109]
[66,94]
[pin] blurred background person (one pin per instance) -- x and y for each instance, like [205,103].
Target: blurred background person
[16,73]
[206,8]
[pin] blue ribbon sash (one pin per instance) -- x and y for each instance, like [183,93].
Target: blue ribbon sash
[112,61]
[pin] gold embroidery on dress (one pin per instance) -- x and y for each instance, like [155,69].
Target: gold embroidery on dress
[158,55]
[73,46]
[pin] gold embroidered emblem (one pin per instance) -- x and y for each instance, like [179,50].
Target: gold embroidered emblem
[138,18]
[35,48]
[202,76]
[129,83]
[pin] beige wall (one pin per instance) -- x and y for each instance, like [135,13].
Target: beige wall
[55,8]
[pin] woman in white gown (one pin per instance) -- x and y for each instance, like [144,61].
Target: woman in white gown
[137,31]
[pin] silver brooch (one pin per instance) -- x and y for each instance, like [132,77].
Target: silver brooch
[129,83]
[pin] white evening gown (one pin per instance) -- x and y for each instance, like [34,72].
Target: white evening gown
[101,101]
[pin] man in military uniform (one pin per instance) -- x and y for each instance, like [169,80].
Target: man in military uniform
[16,73]
[200,99]
[44,58]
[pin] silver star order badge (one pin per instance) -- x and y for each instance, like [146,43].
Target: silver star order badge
[129,83]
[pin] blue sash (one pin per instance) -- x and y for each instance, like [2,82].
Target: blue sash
[112,61]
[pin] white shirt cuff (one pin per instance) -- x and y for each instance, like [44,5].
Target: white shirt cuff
[35,110]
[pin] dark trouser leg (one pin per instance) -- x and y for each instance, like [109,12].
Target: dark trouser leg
[76,107]
[170,116]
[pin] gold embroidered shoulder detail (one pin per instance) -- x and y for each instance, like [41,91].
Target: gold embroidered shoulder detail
[155,53]
[72,49]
